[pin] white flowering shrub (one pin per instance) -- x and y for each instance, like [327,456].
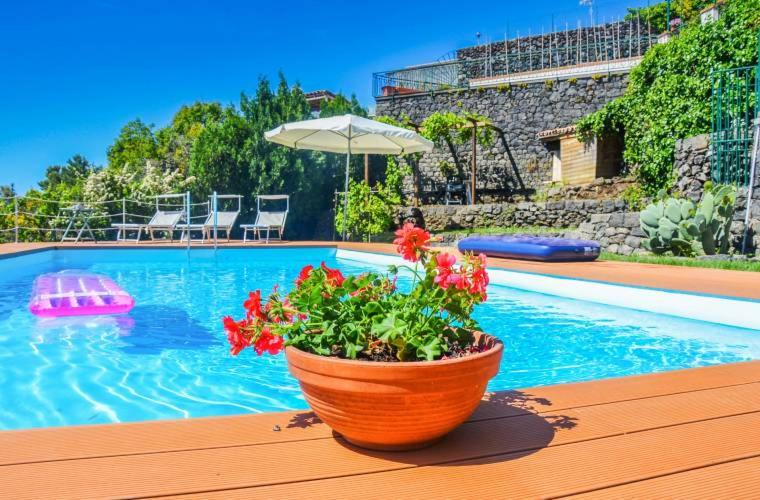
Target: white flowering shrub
[134,183]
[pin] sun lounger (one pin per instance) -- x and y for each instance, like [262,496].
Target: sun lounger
[267,221]
[162,220]
[225,221]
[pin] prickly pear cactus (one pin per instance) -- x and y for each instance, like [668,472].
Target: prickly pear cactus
[677,225]
[670,225]
[717,207]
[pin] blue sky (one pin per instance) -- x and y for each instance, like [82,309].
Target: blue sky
[74,72]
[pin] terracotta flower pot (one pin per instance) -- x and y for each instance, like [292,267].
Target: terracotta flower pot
[395,406]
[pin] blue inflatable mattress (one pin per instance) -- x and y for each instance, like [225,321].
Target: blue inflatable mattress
[531,248]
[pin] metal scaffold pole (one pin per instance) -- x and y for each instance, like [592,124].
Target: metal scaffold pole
[215,204]
[15,218]
[187,217]
[751,185]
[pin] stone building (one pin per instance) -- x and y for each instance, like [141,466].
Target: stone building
[525,87]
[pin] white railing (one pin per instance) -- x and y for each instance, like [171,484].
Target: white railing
[18,214]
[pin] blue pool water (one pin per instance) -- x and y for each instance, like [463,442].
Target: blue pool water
[168,358]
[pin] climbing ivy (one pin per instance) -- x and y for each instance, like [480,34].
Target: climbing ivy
[445,125]
[668,95]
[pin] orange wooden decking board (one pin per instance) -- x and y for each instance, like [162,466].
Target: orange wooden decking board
[683,434]
[729,481]
[550,472]
[49,444]
[530,454]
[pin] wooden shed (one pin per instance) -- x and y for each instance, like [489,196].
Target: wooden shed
[575,162]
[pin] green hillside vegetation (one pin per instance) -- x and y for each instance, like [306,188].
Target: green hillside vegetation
[668,96]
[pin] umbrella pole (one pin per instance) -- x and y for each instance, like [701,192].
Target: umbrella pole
[345,194]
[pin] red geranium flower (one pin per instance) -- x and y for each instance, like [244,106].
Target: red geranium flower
[253,305]
[479,276]
[459,280]
[410,241]
[304,274]
[235,336]
[334,277]
[444,262]
[268,343]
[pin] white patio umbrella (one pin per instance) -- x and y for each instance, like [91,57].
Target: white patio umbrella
[349,134]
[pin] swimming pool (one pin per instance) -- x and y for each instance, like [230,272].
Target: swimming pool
[168,358]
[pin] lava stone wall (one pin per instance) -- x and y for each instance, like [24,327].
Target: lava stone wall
[555,214]
[692,165]
[568,48]
[517,159]
[616,232]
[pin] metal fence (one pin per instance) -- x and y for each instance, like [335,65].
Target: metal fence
[558,49]
[30,218]
[735,102]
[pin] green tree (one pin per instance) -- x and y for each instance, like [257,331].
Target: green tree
[73,173]
[176,141]
[7,191]
[135,145]
[218,161]
[232,156]
[341,106]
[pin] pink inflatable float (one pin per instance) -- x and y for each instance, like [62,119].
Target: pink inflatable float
[77,293]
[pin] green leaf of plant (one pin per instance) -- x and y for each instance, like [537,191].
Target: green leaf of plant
[430,349]
[390,327]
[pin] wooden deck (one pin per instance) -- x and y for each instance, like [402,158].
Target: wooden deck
[682,434]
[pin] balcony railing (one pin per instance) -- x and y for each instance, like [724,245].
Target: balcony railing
[522,56]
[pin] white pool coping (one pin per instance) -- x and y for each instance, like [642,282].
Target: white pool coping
[742,313]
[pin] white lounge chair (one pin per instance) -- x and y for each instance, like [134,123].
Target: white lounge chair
[267,221]
[224,221]
[162,220]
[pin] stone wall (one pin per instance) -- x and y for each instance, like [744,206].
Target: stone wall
[600,189]
[578,42]
[518,159]
[558,214]
[616,233]
[692,165]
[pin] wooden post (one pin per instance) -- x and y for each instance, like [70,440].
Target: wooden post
[366,168]
[474,162]
[416,178]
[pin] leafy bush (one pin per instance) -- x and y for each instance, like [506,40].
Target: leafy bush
[370,211]
[668,95]
[634,197]
[656,15]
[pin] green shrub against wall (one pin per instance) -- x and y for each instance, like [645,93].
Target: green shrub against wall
[668,95]
[656,15]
